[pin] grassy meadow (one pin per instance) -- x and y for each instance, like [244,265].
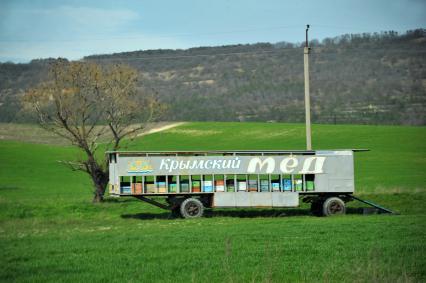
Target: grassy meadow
[50,230]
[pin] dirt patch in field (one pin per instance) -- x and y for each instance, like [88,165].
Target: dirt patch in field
[195,133]
[33,133]
[159,128]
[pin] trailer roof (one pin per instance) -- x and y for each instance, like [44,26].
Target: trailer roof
[232,151]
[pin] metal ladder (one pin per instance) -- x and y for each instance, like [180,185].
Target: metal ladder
[373,204]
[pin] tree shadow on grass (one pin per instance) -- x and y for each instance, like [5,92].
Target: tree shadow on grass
[242,213]
[119,200]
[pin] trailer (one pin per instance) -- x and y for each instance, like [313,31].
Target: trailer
[191,181]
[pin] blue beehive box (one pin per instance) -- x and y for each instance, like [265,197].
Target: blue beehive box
[264,185]
[208,186]
[287,184]
[126,190]
[275,186]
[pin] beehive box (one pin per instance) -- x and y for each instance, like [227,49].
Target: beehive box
[310,185]
[242,185]
[172,188]
[298,184]
[219,186]
[196,186]
[264,185]
[230,188]
[252,185]
[151,188]
[275,186]
[287,184]
[126,190]
[208,186]
[184,187]
[137,188]
[162,189]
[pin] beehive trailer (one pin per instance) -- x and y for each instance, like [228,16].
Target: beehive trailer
[191,181]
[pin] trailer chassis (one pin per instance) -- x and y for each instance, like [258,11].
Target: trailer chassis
[325,204]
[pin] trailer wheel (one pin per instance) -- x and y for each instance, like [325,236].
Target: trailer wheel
[333,206]
[191,208]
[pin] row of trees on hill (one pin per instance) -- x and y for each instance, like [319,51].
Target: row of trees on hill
[376,78]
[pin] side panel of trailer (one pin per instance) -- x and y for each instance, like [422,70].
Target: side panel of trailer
[256,199]
[246,180]
[322,172]
[338,173]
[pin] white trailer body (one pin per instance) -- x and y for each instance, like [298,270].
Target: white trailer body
[233,178]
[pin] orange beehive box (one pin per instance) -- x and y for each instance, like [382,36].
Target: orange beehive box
[137,188]
[196,189]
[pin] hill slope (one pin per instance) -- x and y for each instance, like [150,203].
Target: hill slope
[360,78]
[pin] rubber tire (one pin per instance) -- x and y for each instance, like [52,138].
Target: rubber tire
[333,206]
[191,208]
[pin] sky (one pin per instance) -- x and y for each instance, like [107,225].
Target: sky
[73,29]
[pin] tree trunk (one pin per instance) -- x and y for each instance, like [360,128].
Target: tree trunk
[100,179]
[99,193]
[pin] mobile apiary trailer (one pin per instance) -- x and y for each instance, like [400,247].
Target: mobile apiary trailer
[193,180]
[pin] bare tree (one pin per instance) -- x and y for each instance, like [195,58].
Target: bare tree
[83,102]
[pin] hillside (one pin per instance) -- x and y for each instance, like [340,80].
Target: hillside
[361,78]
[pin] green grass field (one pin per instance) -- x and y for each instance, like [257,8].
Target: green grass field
[50,231]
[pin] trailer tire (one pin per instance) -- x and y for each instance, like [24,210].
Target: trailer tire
[333,206]
[191,208]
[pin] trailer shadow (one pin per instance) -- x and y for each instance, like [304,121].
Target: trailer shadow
[148,216]
[241,213]
[253,213]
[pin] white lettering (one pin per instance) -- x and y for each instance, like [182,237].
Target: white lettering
[173,165]
[236,163]
[270,165]
[197,164]
[217,164]
[209,164]
[164,163]
[286,166]
[319,162]
[183,165]
[226,164]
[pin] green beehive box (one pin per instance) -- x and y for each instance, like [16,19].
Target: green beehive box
[184,187]
[196,183]
[298,185]
[230,188]
[310,185]
[172,188]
